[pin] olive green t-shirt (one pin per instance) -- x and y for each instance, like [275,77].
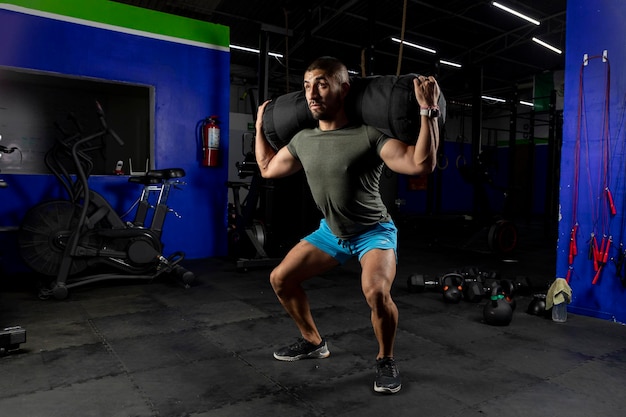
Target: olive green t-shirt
[343,169]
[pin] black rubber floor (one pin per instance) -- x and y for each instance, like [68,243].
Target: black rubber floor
[159,349]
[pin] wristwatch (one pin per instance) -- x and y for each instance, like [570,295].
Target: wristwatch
[431,112]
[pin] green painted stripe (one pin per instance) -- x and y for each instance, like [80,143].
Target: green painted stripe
[131,19]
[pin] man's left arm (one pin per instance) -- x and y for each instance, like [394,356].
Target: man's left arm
[420,158]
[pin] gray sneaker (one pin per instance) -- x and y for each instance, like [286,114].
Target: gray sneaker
[388,379]
[302,349]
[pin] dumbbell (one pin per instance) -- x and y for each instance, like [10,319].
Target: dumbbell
[419,283]
[474,287]
[450,285]
[474,290]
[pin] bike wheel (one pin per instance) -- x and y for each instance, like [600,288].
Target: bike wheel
[43,236]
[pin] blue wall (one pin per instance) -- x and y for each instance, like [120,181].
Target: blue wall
[593,26]
[456,194]
[190,81]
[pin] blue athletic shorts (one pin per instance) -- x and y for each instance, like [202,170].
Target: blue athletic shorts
[380,236]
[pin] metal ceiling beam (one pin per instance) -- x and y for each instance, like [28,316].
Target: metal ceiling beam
[323,23]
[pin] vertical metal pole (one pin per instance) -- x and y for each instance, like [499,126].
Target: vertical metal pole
[555,133]
[369,50]
[263,66]
[308,45]
[477,127]
[532,160]
[512,198]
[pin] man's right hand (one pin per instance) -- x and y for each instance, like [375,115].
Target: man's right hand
[426,91]
[259,117]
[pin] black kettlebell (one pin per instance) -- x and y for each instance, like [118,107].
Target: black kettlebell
[508,288]
[497,311]
[452,286]
[537,306]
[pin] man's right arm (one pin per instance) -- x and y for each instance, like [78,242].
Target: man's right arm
[272,163]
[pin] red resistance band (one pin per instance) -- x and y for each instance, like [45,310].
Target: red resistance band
[599,254]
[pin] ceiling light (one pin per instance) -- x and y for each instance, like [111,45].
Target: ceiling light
[515,12]
[255,51]
[499,100]
[450,63]
[526,103]
[423,48]
[547,45]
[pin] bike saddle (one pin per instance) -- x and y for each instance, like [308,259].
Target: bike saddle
[166,174]
[155,176]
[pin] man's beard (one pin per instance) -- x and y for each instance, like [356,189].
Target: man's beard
[320,115]
[325,112]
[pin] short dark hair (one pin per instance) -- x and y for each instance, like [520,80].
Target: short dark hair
[332,66]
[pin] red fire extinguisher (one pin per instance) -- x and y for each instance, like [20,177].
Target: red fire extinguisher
[210,141]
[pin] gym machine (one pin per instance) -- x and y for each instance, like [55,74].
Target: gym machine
[81,239]
[247,233]
[11,337]
[243,218]
[500,233]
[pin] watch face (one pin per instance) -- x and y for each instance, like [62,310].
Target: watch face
[430,112]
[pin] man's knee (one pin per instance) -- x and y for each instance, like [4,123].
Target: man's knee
[282,283]
[377,296]
[276,281]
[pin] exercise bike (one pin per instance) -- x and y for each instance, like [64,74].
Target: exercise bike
[82,239]
[10,337]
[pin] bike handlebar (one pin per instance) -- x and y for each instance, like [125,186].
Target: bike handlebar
[105,126]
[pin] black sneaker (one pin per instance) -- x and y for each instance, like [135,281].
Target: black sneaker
[388,379]
[302,350]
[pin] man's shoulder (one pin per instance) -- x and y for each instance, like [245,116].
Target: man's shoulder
[359,126]
[373,129]
[375,133]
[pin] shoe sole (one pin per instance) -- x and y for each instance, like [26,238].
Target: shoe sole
[316,354]
[385,390]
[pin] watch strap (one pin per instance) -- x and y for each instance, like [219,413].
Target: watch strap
[430,112]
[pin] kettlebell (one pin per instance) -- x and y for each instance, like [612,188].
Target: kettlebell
[508,288]
[537,306]
[497,311]
[452,286]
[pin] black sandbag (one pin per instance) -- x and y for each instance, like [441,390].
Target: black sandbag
[386,102]
[285,116]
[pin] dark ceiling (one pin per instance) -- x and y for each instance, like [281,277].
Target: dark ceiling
[485,39]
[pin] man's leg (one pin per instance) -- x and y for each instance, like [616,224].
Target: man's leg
[379,271]
[303,262]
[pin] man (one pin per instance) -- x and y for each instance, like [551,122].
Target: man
[343,163]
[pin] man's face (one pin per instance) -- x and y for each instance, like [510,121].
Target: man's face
[323,93]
